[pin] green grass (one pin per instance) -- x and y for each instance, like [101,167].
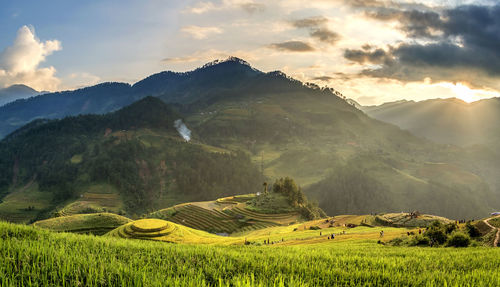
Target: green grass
[42,258]
[95,223]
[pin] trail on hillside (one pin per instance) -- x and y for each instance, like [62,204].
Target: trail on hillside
[497,237]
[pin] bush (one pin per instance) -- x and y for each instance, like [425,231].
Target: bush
[436,235]
[398,241]
[472,230]
[314,228]
[450,227]
[420,240]
[458,239]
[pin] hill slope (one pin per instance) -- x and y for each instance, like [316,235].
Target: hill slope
[134,156]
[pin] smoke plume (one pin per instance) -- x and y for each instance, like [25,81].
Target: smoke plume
[183,130]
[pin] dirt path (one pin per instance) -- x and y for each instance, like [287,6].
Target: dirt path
[497,238]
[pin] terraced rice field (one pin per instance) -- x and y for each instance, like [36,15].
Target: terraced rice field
[161,230]
[404,220]
[97,198]
[13,207]
[224,217]
[95,223]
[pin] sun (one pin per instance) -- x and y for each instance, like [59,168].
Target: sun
[464,93]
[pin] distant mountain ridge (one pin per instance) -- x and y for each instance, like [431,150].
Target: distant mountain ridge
[191,89]
[15,92]
[449,121]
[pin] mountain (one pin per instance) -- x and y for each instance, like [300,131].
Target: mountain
[16,92]
[130,161]
[448,121]
[212,81]
[247,126]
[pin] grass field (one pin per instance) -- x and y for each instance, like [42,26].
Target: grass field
[42,258]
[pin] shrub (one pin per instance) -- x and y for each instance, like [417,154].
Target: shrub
[420,240]
[436,235]
[472,230]
[398,241]
[458,239]
[450,227]
[314,228]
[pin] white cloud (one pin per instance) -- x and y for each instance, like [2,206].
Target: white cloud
[199,32]
[203,7]
[19,63]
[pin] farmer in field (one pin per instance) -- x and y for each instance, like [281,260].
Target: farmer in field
[381,233]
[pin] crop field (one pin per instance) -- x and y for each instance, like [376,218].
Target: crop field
[96,198]
[94,223]
[15,206]
[161,230]
[224,215]
[43,258]
[405,220]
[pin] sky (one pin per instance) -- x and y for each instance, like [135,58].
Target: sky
[372,51]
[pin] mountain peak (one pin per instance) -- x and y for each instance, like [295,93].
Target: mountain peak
[230,59]
[19,88]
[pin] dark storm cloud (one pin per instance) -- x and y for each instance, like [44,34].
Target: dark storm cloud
[415,23]
[460,39]
[292,46]
[318,29]
[368,56]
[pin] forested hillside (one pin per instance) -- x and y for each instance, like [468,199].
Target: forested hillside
[136,150]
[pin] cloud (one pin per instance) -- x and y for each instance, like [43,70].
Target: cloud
[368,55]
[318,29]
[199,56]
[199,32]
[323,78]
[201,8]
[292,46]
[248,6]
[458,44]
[19,62]
[251,7]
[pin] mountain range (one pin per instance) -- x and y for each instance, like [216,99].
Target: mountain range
[447,121]
[246,126]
